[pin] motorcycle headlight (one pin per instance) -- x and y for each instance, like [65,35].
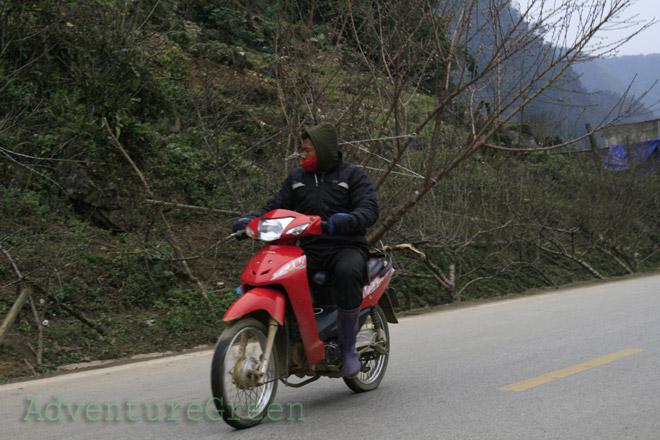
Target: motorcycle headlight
[271,229]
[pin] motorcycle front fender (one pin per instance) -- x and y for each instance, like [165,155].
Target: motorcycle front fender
[259,298]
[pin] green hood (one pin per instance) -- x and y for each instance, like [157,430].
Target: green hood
[324,138]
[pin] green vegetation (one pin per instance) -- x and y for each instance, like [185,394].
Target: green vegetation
[207,97]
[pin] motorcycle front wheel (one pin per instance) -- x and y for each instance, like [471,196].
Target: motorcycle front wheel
[375,335]
[240,396]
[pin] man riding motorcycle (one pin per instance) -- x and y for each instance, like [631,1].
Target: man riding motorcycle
[343,196]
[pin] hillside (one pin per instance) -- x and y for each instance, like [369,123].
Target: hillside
[110,107]
[588,90]
[636,75]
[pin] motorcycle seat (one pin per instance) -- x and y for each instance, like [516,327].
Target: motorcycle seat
[374,266]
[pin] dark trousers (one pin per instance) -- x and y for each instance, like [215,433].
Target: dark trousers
[346,267]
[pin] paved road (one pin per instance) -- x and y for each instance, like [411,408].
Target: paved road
[585,364]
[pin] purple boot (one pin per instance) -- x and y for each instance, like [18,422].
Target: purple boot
[348,328]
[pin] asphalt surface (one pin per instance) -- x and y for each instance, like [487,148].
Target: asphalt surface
[577,363]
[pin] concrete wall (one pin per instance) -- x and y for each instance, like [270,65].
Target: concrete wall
[630,133]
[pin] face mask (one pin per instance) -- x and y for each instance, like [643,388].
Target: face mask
[310,164]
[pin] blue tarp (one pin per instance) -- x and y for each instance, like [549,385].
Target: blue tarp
[643,157]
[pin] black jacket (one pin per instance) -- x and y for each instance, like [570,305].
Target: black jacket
[344,189]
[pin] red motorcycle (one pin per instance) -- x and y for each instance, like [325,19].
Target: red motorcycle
[283,325]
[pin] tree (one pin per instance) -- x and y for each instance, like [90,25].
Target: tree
[469,58]
[462,84]
[455,73]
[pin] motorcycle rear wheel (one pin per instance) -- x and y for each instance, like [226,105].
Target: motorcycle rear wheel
[373,363]
[239,399]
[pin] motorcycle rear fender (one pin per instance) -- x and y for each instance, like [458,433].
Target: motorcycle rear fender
[259,298]
[385,303]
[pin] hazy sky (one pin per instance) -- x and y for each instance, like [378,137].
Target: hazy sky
[648,41]
[640,10]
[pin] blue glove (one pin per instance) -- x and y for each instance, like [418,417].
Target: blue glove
[239,226]
[341,223]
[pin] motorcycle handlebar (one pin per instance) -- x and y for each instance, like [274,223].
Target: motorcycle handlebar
[235,234]
[325,227]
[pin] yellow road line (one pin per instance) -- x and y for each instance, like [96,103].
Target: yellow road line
[568,371]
